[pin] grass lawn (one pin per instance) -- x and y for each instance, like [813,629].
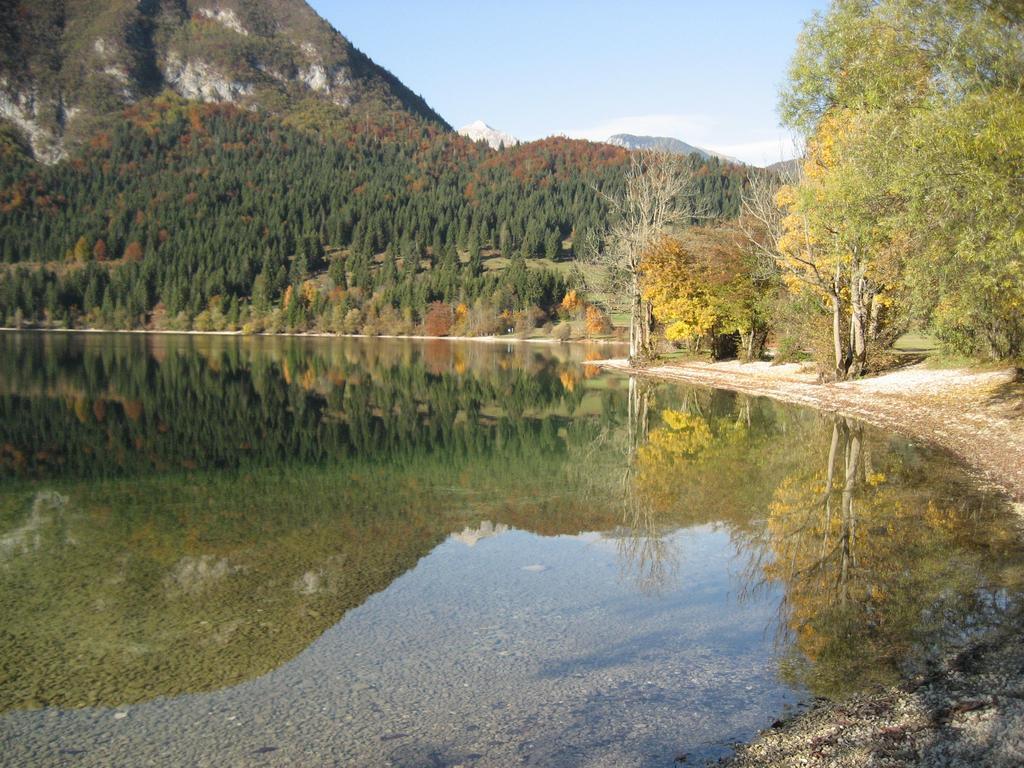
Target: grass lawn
[916,342]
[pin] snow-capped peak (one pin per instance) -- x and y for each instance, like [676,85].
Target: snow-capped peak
[481,131]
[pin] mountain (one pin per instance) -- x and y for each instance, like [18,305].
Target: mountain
[239,164]
[481,131]
[665,144]
[785,168]
[67,65]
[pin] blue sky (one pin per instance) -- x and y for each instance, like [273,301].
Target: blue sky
[705,72]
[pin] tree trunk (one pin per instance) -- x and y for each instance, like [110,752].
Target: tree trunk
[634,327]
[641,321]
[755,342]
[858,321]
[842,363]
[647,329]
[875,316]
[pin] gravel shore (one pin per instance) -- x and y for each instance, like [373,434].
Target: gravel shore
[969,711]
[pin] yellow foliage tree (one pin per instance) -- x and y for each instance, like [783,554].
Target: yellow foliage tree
[597,321]
[82,250]
[679,296]
[702,285]
[834,238]
[309,291]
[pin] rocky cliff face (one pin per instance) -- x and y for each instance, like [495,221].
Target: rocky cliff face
[64,64]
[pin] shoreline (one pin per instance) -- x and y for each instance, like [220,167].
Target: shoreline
[976,415]
[964,713]
[314,335]
[968,710]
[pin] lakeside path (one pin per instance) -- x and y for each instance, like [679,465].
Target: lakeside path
[977,415]
[967,711]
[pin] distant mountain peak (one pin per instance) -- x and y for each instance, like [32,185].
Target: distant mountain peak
[666,144]
[478,130]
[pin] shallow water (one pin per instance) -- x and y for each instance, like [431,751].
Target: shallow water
[224,551]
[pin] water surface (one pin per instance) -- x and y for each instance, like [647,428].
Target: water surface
[225,551]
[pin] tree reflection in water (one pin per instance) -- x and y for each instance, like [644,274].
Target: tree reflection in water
[884,552]
[648,556]
[883,556]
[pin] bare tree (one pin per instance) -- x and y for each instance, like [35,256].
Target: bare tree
[658,193]
[762,217]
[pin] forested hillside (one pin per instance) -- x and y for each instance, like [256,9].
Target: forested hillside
[187,213]
[240,164]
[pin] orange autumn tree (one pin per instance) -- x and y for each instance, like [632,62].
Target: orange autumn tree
[571,302]
[439,319]
[133,251]
[598,322]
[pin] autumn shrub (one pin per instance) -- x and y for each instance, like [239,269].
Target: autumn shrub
[482,320]
[180,322]
[321,323]
[273,321]
[203,322]
[158,317]
[438,319]
[393,323]
[461,320]
[408,322]
[335,317]
[562,331]
[133,251]
[803,331]
[598,323]
[527,320]
[371,321]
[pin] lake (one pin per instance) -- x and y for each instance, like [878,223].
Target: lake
[292,551]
